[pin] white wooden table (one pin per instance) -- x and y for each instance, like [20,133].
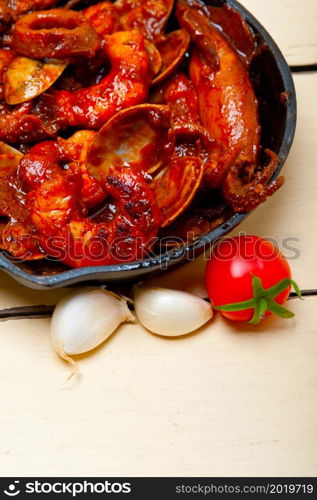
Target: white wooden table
[229,400]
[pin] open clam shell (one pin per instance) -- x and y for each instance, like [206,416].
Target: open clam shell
[172,50]
[176,185]
[27,78]
[135,137]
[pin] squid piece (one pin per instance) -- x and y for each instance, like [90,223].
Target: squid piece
[19,240]
[172,50]
[228,108]
[148,16]
[126,85]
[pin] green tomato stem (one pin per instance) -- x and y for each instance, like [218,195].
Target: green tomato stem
[263,300]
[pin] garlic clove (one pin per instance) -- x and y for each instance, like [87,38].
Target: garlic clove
[84,319]
[168,312]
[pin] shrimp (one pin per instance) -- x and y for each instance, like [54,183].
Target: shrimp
[60,218]
[126,85]
[229,110]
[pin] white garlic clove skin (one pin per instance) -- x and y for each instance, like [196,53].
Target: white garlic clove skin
[84,319]
[170,313]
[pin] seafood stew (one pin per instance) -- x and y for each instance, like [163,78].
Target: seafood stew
[123,127]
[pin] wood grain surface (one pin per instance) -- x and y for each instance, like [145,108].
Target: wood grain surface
[229,400]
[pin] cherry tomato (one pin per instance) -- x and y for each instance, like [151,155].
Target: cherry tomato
[230,276]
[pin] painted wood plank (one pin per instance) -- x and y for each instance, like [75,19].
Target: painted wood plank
[227,401]
[250,401]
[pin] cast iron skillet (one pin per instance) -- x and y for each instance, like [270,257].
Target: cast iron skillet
[272,77]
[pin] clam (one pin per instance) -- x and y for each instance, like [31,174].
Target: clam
[172,50]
